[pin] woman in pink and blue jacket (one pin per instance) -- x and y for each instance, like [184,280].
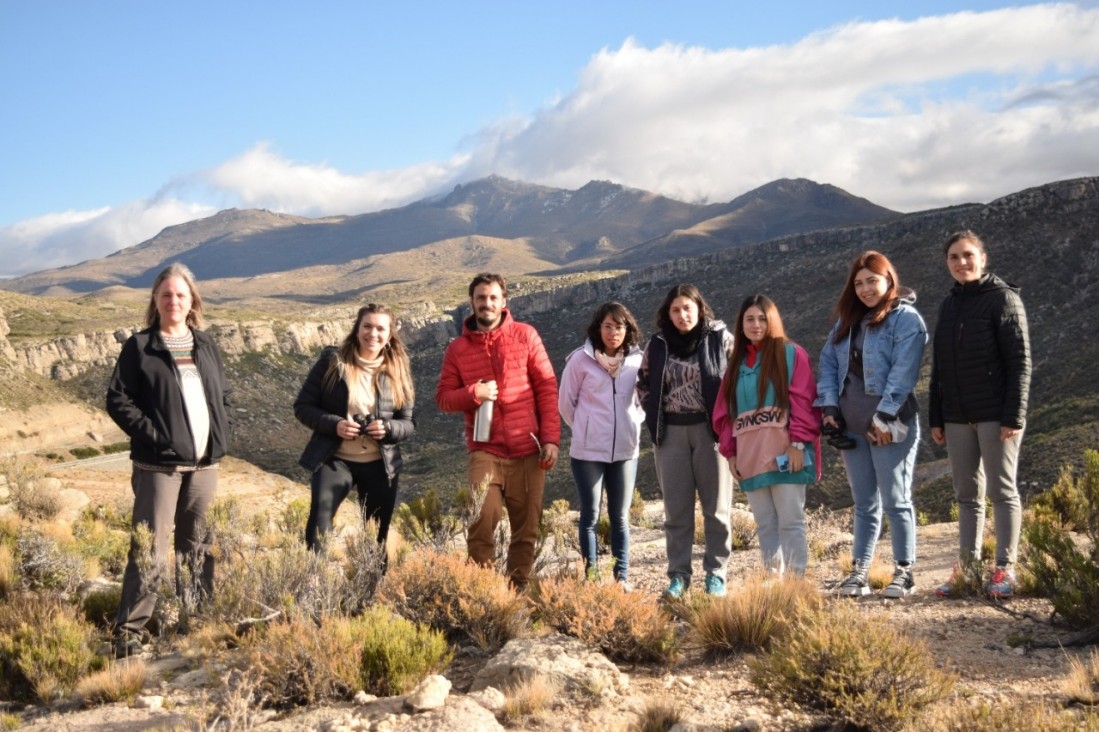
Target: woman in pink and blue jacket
[598,401]
[769,430]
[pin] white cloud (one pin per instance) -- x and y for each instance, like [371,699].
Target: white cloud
[912,115]
[74,236]
[259,178]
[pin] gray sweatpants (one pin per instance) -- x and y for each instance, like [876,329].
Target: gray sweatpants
[688,462]
[981,463]
[163,501]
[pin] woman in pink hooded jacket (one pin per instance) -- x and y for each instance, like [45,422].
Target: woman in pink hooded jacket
[598,401]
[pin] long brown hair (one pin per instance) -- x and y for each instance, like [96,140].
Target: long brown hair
[772,356]
[395,363]
[663,316]
[175,269]
[850,310]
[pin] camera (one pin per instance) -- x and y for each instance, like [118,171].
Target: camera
[837,436]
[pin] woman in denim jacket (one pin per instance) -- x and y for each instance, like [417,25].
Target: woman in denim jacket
[868,372]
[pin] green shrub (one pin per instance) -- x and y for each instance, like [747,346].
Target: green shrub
[291,522]
[303,663]
[83,453]
[752,617]
[426,522]
[97,539]
[116,447]
[100,608]
[461,599]
[397,654]
[858,670]
[45,647]
[626,626]
[1064,570]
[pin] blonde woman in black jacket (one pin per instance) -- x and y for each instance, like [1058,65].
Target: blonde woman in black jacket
[169,394]
[980,383]
[358,399]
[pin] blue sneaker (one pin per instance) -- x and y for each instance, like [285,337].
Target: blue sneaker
[676,588]
[1002,584]
[715,586]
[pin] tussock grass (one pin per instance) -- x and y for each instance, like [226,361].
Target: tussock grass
[626,626]
[1010,714]
[858,669]
[659,714]
[8,578]
[120,681]
[459,598]
[1081,685]
[752,617]
[528,698]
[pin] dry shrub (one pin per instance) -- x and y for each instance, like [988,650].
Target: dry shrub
[426,522]
[457,597]
[34,496]
[858,669]
[44,564]
[45,647]
[625,626]
[529,698]
[1009,714]
[302,663]
[10,721]
[1081,686]
[8,578]
[557,540]
[98,539]
[743,529]
[287,581]
[827,531]
[120,681]
[754,616]
[364,564]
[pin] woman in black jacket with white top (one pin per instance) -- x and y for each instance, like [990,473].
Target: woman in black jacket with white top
[168,393]
[358,399]
[980,382]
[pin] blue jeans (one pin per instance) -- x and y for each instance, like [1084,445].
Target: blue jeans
[881,478]
[618,479]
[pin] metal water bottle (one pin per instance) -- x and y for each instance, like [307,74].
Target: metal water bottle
[482,422]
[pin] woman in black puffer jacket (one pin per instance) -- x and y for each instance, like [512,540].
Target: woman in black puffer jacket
[980,379]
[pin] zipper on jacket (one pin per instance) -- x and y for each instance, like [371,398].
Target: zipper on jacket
[179,390]
[614,413]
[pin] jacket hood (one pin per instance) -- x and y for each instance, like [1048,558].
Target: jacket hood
[906,296]
[988,283]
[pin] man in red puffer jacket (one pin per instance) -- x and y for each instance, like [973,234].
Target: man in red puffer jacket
[500,360]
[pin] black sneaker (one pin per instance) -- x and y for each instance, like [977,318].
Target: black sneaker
[903,583]
[855,584]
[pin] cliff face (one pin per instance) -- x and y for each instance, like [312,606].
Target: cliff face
[67,357]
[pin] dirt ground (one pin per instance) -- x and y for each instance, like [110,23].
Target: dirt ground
[970,637]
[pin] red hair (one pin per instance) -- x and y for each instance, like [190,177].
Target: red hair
[850,310]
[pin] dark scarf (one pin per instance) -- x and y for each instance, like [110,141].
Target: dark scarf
[683,345]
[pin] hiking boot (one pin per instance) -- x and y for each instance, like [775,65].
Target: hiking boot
[676,588]
[855,584]
[126,645]
[948,588]
[903,583]
[715,586]
[1002,584]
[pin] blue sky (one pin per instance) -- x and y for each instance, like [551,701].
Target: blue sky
[122,118]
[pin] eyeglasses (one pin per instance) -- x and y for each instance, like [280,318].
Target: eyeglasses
[616,327]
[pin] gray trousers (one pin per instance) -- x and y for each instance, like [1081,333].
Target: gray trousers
[982,465]
[779,512]
[161,501]
[688,462]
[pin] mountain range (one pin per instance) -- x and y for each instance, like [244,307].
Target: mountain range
[492,223]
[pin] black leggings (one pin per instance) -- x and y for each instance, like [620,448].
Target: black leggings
[330,485]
